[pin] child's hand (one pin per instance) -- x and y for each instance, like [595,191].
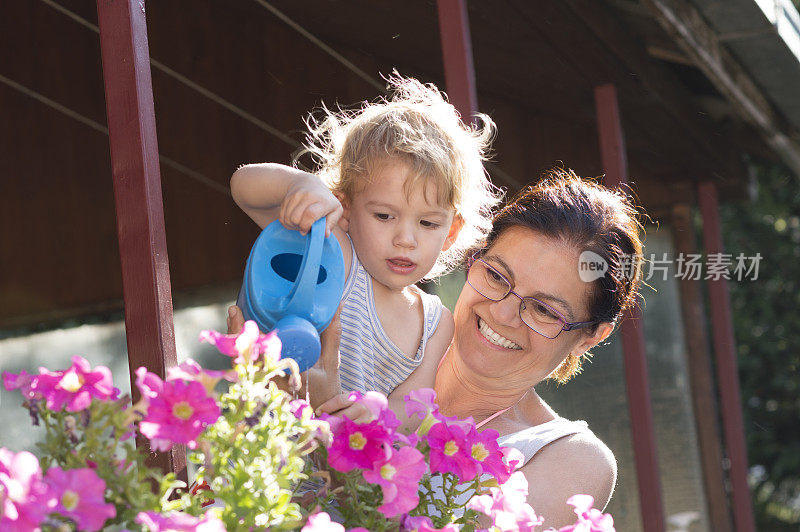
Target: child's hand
[306,201]
[340,405]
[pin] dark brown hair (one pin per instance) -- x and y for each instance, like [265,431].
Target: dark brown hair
[592,218]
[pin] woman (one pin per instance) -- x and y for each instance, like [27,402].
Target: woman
[526,315]
[504,345]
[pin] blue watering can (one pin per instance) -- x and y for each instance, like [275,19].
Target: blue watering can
[293,283]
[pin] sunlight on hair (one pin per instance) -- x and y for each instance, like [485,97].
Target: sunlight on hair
[419,126]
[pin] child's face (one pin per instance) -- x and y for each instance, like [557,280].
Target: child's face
[398,236]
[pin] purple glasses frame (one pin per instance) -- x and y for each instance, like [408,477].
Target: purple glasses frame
[567,325]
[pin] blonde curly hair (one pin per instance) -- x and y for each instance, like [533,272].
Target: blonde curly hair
[418,125]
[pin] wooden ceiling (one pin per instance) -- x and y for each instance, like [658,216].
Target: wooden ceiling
[232,83]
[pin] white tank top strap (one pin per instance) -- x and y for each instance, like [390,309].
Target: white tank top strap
[350,282]
[531,440]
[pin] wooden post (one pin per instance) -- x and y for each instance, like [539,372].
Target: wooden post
[612,149]
[701,375]
[727,369]
[459,71]
[137,193]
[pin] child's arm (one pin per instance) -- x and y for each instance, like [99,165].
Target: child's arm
[425,374]
[270,191]
[422,377]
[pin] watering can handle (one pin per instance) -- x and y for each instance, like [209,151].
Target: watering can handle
[302,296]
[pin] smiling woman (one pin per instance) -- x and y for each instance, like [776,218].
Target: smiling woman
[526,315]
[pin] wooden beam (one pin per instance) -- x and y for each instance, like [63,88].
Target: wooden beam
[137,193]
[459,70]
[612,150]
[669,54]
[727,368]
[655,83]
[690,30]
[701,376]
[612,141]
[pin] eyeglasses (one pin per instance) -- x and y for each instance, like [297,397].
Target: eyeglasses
[537,315]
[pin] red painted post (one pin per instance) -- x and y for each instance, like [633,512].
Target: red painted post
[612,150]
[459,71]
[137,193]
[727,369]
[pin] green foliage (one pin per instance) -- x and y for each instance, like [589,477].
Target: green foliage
[254,455]
[355,499]
[766,314]
[93,436]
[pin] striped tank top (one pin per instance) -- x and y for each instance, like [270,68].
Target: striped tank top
[369,360]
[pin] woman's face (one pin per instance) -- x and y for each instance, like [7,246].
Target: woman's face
[490,338]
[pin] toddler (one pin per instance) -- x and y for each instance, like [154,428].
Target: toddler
[402,184]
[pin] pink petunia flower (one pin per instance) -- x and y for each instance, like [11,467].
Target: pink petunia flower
[178,413]
[334,422]
[513,458]
[464,424]
[421,403]
[378,406]
[410,523]
[21,382]
[247,345]
[421,523]
[589,519]
[398,478]
[299,406]
[74,387]
[179,522]
[486,452]
[321,522]
[80,496]
[451,446]
[358,445]
[25,499]
[375,402]
[189,370]
[508,506]
[149,384]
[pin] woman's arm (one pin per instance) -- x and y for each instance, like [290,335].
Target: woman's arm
[575,464]
[323,377]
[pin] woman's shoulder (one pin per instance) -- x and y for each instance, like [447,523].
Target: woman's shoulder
[578,459]
[564,447]
[573,440]
[585,447]
[577,463]
[532,437]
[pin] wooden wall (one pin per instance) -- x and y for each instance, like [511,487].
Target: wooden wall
[58,249]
